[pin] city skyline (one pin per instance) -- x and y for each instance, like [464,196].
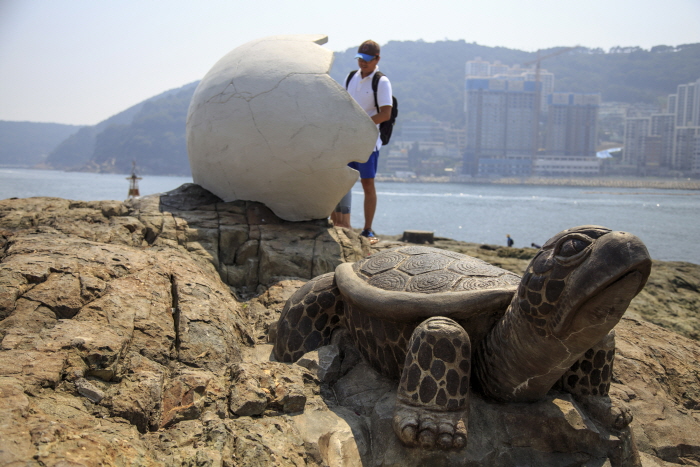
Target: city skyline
[80,61]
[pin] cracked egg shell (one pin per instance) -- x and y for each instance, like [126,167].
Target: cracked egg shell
[267,123]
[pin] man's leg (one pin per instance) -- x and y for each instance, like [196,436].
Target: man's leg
[370,201]
[341,215]
[342,220]
[368,170]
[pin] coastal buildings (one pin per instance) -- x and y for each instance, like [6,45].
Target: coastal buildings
[500,123]
[571,136]
[505,108]
[636,131]
[427,147]
[501,136]
[572,124]
[666,143]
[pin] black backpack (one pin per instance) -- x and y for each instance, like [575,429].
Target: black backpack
[385,128]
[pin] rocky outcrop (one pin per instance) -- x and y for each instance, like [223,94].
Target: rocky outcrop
[130,336]
[243,241]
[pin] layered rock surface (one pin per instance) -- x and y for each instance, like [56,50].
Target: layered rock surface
[136,334]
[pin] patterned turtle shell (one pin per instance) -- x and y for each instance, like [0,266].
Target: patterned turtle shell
[427,270]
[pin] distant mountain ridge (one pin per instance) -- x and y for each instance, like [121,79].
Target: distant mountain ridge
[152,133]
[428,79]
[26,144]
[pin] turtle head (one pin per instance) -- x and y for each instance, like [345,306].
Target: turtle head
[583,280]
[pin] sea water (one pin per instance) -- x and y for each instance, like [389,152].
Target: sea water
[666,220]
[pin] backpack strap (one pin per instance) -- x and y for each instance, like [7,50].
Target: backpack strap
[347,80]
[375,84]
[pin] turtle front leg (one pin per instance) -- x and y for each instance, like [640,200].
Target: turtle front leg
[588,380]
[433,398]
[308,318]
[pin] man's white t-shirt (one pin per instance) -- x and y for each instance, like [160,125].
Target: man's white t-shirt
[361,90]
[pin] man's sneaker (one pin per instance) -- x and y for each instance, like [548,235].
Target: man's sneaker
[370,236]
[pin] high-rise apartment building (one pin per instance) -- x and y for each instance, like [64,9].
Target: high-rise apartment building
[662,127]
[661,142]
[634,142]
[685,148]
[695,168]
[687,128]
[497,68]
[571,136]
[688,104]
[547,83]
[499,125]
[572,124]
[477,67]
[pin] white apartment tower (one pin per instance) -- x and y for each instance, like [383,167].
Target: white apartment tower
[687,127]
[636,131]
[477,67]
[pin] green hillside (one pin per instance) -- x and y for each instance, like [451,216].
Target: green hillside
[155,139]
[152,133]
[25,144]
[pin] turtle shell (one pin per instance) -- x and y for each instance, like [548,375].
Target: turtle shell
[430,270]
[415,282]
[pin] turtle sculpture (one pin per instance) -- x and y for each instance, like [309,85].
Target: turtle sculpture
[436,319]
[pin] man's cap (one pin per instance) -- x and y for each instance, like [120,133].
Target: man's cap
[368,50]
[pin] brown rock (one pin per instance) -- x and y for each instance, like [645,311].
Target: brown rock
[268,386]
[126,340]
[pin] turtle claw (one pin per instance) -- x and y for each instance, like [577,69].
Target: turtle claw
[459,441]
[615,415]
[444,442]
[417,426]
[427,438]
[408,435]
[623,417]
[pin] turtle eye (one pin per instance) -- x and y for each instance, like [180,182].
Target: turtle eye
[572,247]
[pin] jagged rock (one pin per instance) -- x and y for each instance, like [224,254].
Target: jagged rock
[335,438]
[268,386]
[121,345]
[361,388]
[244,241]
[324,362]
[89,390]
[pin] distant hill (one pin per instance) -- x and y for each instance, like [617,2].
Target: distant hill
[428,79]
[25,144]
[152,133]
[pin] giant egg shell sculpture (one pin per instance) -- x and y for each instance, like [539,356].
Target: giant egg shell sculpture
[268,124]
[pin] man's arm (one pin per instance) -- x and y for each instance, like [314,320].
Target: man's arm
[383,115]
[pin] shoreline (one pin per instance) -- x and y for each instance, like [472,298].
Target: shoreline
[593,182]
[599,182]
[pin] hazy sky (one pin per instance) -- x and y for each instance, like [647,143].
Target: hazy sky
[82,61]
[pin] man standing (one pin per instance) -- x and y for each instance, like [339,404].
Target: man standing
[360,88]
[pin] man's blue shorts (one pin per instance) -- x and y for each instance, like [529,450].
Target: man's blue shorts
[367,169]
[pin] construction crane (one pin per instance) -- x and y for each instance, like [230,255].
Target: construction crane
[538,94]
